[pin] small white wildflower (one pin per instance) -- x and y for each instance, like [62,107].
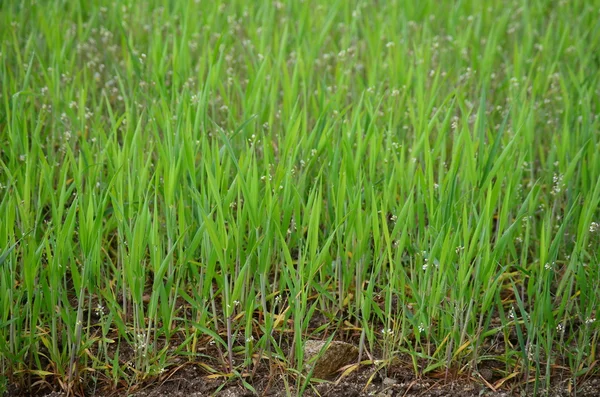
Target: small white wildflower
[421,328]
[99,310]
[387,331]
[530,352]
[558,184]
[594,227]
[559,327]
[250,339]
[590,320]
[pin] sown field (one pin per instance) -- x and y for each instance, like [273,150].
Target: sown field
[209,185]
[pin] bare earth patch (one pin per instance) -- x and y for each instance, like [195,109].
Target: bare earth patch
[191,381]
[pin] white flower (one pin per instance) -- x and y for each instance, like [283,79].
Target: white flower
[140,342]
[558,184]
[99,310]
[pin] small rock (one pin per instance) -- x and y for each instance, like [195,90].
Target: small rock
[336,355]
[487,374]
[389,381]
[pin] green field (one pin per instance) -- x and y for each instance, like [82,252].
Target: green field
[217,182]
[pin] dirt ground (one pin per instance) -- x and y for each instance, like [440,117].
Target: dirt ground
[192,382]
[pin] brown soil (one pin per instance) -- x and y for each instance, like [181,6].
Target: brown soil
[188,379]
[191,381]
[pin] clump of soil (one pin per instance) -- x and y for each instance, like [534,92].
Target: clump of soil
[326,363]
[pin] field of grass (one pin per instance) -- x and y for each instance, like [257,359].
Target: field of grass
[216,182]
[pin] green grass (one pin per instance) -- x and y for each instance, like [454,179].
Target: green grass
[198,181]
